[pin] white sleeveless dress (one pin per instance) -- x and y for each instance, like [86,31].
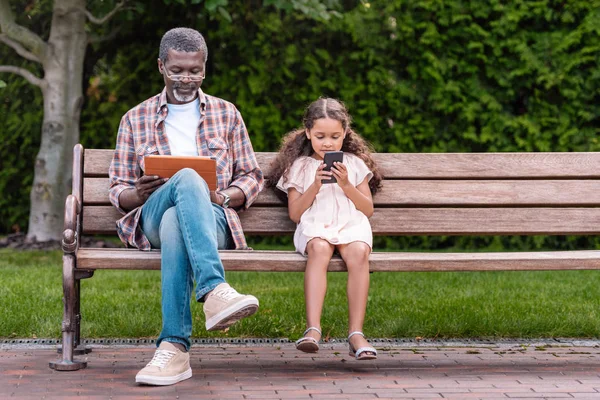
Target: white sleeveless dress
[332,216]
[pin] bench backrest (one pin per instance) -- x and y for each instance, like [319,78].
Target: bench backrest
[426,194]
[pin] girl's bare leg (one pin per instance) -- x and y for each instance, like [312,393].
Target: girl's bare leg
[356,257]
[315,281]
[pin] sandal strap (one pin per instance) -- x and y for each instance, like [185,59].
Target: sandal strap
[312,328]
[355,333]
[364,350]
[307,339]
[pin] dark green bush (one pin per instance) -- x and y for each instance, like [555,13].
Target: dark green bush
[21,115]
[418,76]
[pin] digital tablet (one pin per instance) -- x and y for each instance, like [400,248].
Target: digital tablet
[167,166]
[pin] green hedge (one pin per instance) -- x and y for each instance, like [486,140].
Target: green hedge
[418,76]
[21,115]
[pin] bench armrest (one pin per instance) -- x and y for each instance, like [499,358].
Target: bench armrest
[71,227]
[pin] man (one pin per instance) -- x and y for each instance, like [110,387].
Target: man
[179,215]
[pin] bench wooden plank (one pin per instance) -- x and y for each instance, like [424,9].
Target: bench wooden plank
[491,165]
[419,193]
[288,261]
[439,165]
[450,221]
[411,221]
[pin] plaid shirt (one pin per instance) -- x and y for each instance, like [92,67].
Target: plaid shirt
[221,133]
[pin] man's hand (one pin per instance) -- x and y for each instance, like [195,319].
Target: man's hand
[146,185]
[216,197]
[131,198]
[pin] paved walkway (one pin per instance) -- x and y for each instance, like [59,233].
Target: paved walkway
[280,372]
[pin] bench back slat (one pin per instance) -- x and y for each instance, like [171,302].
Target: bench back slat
[440,165]
[411,221]
[428,194]
[424,193]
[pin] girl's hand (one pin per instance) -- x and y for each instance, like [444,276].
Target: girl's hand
[341,174]
[320,175]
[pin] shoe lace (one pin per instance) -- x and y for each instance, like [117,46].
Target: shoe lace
[161,358]
[226,293]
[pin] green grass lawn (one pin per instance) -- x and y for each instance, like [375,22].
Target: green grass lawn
[401,305]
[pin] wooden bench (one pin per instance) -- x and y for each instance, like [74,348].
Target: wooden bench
[423,194]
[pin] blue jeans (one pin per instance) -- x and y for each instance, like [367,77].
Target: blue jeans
[180,219]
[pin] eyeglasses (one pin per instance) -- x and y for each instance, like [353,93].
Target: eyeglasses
[190,77]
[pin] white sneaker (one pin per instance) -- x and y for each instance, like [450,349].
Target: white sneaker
[168,366]
[224,306]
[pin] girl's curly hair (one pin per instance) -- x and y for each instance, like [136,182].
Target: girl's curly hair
[295,143]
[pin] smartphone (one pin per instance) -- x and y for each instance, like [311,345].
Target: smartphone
[329,159]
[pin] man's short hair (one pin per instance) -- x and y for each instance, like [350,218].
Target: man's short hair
[182,39]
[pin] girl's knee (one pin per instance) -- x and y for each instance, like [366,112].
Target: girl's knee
[358,252]
[319,247]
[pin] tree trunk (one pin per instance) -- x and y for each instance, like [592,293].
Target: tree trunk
[63,98]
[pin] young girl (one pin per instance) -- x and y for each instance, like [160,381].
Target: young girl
[330,217]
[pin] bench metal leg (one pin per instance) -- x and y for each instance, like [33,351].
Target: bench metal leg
[70,299]
[79,348]
[77,351]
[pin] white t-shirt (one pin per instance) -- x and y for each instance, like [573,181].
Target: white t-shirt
[181,126]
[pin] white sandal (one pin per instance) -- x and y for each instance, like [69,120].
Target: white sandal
[308,344]
[362,353]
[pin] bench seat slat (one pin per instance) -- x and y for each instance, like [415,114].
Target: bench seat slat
[417,193]
[438,165]
[411,221]
[280,261]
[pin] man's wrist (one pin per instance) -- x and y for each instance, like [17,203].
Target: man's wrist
[225,199]
[130,199]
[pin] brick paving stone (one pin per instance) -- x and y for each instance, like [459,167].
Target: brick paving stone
[440,390]
[562,388]
[539,395]
[388,386]
[474,384]
[280,372]
[432,395]
[475,395]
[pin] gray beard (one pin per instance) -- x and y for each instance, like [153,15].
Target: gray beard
[182,98]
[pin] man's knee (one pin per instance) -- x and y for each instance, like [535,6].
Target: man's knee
[169,225]
[188,179]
